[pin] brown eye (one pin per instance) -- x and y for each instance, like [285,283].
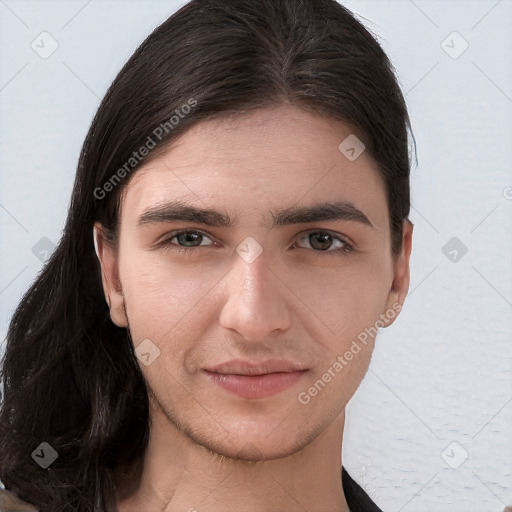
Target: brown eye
[324,241]
[320,241]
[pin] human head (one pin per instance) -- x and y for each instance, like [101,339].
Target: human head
[223,59]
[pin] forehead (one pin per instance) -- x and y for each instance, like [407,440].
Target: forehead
[259,160]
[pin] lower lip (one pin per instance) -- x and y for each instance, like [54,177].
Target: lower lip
[256,386]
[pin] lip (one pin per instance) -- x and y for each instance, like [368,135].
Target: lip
[256,380]
[242,367]
[256,386]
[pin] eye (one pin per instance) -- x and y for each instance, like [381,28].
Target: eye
[323,241]
[187,240]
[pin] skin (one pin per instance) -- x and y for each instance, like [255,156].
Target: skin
[299,300]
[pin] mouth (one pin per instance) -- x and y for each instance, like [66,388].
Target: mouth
[256,385]
[248,368]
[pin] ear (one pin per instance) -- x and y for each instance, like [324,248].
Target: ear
[401,275]
[107,255]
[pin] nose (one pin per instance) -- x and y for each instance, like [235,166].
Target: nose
[256,300]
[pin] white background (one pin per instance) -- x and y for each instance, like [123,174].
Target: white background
[442,373]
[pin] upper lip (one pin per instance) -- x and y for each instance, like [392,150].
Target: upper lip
[241,367]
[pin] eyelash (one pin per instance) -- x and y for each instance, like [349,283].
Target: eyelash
[166,243]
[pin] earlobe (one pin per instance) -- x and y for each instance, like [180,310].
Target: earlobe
[401,274]
[107,256]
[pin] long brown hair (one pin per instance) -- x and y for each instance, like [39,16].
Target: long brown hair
[70,376]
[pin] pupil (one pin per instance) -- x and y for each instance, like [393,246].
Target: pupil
[189,237]
[325,240]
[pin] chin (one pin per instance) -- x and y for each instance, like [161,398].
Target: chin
[254,447]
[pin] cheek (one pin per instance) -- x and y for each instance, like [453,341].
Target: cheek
[341,298]
[345,300]
[348,305]
[159,294]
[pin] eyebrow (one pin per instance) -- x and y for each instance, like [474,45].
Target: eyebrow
[180,211]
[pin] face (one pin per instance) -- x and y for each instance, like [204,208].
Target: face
[270,272]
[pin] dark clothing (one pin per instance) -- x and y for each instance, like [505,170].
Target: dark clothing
[357,499]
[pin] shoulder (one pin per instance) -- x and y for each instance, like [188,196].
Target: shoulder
[9,502]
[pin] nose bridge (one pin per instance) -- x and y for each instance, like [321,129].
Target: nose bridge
[251,279]
[254,305]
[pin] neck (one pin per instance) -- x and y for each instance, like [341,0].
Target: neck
[179,474]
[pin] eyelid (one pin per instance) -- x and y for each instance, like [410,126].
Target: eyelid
[334,234]
[165,241]
[348,245]
[169,236]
